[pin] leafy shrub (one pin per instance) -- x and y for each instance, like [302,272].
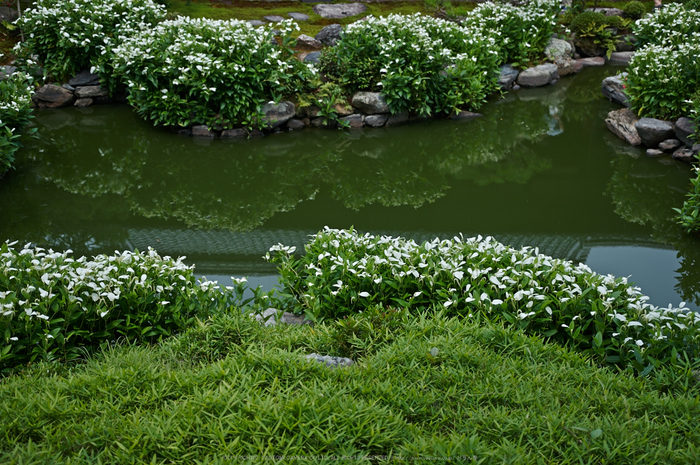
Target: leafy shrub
[523,32]
[69,35]
[634,10]
[199,71]
[52,305]
[343,272]
[689,215]
[671,26]
[15,113]
[587,21]
[426,65]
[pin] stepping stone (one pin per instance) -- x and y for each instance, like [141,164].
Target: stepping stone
[342,10]
[299,16]
[273,18]
[592,61]
[256,22]
[621,57]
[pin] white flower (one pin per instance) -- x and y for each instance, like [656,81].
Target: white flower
[363,294]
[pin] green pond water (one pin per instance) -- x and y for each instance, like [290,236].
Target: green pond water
[539,169]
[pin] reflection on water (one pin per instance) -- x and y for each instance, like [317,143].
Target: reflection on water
[538,169]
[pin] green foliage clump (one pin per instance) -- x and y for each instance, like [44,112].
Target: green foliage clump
[343,272]
[198,71]
[70,35]
[587,21]
[15,113]
[593,33]
[634,10]
[423,65]
[52,306]
[689,214]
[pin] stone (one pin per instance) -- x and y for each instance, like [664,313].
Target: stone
[507,77]
[557,49]
[53,96]
[295,124]
[309,42]
[353,121]
[202,130]
[276,114]
[607,11]
[684,154]
[685,127]
[397,119]
[339,10]
[652,131]
[655,153]
[613,88]
[68,87]
[237,133]
[329,361]
[622,123]
[588,48]
[298,16]
[273,18]
[669,145]
[8,14]
[696,149]
[591,61]
[313,57]
[84,78]
[7,71]
[255,133]
[83,102]
[267,317]
[625,43]
[376,121]
[94,92]
[295,320]
[321,122]
[370,103]
[567,66]
[256,22]
[310,111]
[330,34]
[538,75]
[621,57]
[465,116]
[343,109]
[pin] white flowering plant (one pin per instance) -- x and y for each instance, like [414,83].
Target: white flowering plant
[69,35]
[343,272]
[421,64]
[200,71]
[665,71]
[15,113]
[53,307]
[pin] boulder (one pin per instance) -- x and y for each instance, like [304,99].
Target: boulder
[298,16]
[310,111]
[313,57]
[7,71]
[295,124]
[309,42]
[614,89]
[588,48]
[256,22]
[622,123]
[465,116]
[273,18]
[621,57]
[685,127]
[655,153]
[342,109]
[370,103]
[684,154]
[539,75]
[84,78]
[652,131]
[330,34]
[567,66]
[696,149]
[339,10]
[202,130]
[507,77]
[592,61]
[625,43]
[53,96]
[276,114]
[557,49]
[322,122]
[83,102]
[397,119]
[330,361]
[8,14]
[670,145]
[376,121]
[352,121]
[94,92]
[237,133]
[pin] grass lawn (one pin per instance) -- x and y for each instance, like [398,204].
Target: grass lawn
[420,387]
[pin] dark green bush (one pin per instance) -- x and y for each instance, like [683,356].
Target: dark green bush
[15,113]
[613,21]
[587,21]
[634,10]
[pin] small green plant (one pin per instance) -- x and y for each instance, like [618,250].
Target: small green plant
[592,33]
[689,215]
[327,97]
[634,10]
[361,334]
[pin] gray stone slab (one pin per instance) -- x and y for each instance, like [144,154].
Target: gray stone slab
[340,10]
[298,16]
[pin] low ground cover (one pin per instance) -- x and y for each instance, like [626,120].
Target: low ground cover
[232,390]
